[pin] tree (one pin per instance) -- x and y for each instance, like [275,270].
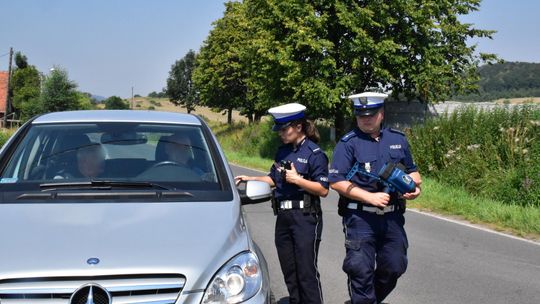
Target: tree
[86,102]
[115,103]
[25,88]
[59,93]
[225,63]
[20,60]
[318,52]
[155,94]
[180,88]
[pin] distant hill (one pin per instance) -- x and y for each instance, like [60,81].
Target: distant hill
[506,80]
[98,98]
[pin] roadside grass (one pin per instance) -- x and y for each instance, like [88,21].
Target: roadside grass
[451,201]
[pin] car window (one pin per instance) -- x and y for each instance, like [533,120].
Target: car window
[177,156]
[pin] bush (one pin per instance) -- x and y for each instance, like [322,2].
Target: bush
[5,134]
[116,103]
[258,139]
[155,103]
[494,154]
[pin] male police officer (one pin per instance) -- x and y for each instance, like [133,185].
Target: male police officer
[376,243]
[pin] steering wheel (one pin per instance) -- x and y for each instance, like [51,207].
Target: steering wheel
[166,163]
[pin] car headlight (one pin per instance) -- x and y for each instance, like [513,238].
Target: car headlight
[237,281]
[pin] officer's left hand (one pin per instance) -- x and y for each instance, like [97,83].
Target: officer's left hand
[292,175]
[412,195]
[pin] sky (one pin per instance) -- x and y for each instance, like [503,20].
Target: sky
[110,46]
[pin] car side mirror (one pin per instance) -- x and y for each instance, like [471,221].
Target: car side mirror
[254,192]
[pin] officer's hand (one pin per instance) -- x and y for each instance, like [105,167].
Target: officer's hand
[379,199]
[238,179]
[292,175]
[412,195]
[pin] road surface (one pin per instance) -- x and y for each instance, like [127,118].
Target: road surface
[448,262]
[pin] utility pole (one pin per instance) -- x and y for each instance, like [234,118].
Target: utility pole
[8,103]
[132,98]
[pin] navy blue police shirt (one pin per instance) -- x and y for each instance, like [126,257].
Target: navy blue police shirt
[310,162]
[357,146]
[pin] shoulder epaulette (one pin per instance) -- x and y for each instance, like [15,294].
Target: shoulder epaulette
[396,131]
[314,147]
[348,136]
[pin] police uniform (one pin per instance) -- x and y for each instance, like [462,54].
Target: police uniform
[375,239]
[299,217]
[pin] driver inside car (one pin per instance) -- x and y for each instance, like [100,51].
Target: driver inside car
[179,151]
[90,163]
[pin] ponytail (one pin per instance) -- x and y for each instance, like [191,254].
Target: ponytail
[311,131]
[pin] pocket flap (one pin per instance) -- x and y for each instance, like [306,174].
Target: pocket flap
[396,154]
[366,158]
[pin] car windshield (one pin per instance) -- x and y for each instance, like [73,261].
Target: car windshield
[171,157]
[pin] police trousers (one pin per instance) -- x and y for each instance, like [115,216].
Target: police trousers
[297,238]
[376,254]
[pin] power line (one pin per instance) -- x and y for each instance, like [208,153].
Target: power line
[4,54]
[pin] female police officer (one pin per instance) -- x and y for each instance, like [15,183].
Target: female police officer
[375,240]
[300,177]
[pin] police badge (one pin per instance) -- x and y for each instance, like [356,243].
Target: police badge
[367,167]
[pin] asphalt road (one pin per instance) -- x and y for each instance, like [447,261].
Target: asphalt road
[448,262]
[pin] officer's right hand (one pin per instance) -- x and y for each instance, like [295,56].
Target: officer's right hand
[379,199]
[240,178]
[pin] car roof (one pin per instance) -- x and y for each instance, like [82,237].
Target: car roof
[118,116]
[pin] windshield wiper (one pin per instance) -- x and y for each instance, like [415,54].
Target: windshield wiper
[50,195]
[102,184]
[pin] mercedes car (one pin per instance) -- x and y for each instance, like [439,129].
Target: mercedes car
[125,207]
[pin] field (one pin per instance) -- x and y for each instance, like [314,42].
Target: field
[525,100]
[163,104]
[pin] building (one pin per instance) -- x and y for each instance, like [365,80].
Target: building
[3,92]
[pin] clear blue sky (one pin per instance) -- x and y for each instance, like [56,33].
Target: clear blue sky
[108,46]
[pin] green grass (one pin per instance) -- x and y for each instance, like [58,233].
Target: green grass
[448,200]
[493,154]
[253,162]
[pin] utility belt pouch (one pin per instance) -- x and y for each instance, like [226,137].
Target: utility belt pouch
[312,204]
[401,205]
[308,203]
[342,205]
[274,203]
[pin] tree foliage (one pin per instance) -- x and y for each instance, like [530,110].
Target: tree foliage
[155,94]
[266,52]
[20,60]
[225,65]
[506,80]
[180,88]
[115,103]
[59,93]
[25,88]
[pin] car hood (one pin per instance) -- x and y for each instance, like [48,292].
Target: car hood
[192,239]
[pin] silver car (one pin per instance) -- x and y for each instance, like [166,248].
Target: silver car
[124,207]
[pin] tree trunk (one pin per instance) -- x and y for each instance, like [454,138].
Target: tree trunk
[229,116]
[339,123]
